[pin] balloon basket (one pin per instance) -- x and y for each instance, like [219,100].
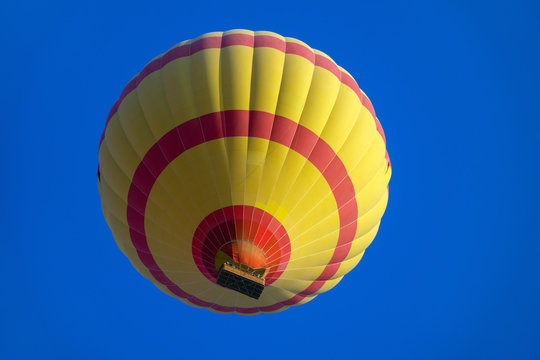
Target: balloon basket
[238,279]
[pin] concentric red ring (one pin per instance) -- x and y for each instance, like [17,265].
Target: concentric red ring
[262,229]
[242,123]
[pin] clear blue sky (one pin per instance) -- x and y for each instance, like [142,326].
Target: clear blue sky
[453,272]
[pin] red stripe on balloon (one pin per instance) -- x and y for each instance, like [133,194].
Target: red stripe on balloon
[301,50]
[270,42]
[329,65]
[215,42]
[189,134]
[237,39]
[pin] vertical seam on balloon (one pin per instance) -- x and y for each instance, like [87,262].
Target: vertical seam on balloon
[226,141]
[145,116]
[191,53]
[170,116]
[320,174]
[331,277]
[295,122]
[122,222]
[247,137]
[222,118]
[354,167]
[355,238]
[195,104]
[364,214]
[339,183]
[271,129]
[175,127]
[130,178]
[157,205]
[338,245]
[137,186]
[229,141]
[335,156]
[151,219]
[356,192]
[313,147]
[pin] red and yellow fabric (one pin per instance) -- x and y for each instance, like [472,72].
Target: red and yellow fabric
[243,146]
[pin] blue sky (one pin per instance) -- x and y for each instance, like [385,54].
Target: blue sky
[453,272]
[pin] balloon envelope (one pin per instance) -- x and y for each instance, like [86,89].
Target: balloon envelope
[243,154]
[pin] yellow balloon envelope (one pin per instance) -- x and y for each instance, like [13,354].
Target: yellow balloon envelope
[243,172]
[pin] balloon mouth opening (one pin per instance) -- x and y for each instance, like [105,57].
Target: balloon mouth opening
[247,238]
[244,255]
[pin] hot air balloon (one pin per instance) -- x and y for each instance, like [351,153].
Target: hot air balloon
[243,172]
